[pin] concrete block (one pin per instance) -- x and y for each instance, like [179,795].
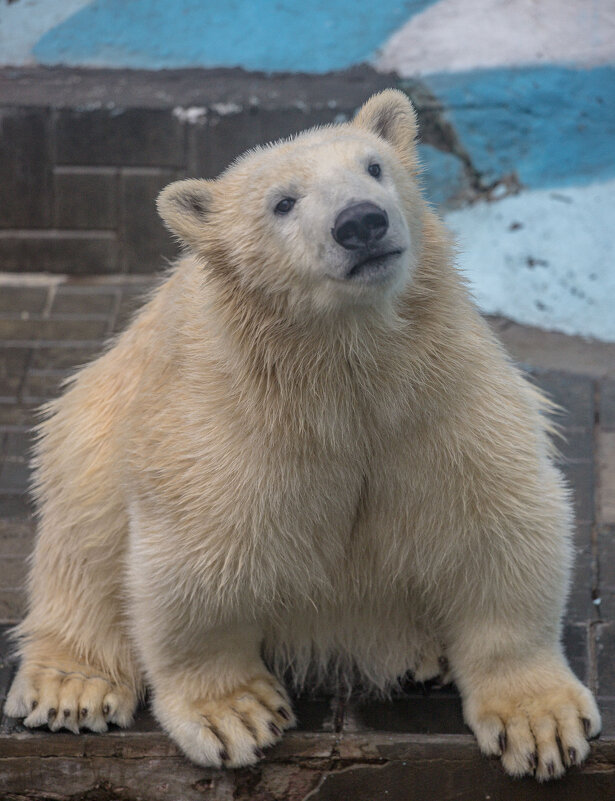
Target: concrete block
[607,404]
[439,712]
[146,243]
[213,146]
[55,328]
[576,648]
[16,507]
[63,356]
[606,468]
[132,137]
[18,444]
[84,300]
[580,608]
[605,657]
[13,570]
[42,385]
[133,298]
[13,363]
[25,167]
[574,393]
[19,299]
[85,198]
[58,252]
[16,415]
[606,571]
[12,604]
[14,477]
[580,477]
[16,537]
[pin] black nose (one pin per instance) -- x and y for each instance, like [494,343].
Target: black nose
[359,225]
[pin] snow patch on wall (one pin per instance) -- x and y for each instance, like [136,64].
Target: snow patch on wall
[544,258]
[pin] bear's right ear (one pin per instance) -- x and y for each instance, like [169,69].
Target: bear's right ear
[390,115]
[185,207]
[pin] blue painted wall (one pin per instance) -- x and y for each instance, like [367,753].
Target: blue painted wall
[552,126]
[269,35]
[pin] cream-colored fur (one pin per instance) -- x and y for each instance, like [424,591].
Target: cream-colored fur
[280,464]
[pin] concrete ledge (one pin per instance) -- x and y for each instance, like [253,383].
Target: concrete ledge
[318,766]
[66,87]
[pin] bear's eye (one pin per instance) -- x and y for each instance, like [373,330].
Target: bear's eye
[374,170]
[285,205]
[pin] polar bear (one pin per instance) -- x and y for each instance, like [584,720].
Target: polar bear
[307,451]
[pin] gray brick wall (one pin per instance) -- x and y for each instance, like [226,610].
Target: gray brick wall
[77,188]
[83,153]
[78,185]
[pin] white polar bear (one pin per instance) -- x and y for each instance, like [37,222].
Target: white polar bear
[307,451]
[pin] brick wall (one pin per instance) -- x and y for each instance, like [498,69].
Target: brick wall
[83,158]
[83,153]
[77,186]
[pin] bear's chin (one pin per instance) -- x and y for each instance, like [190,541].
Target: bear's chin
[373,275]
[375,269]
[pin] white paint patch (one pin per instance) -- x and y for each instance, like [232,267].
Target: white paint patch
[192,115]
[224,109]
[457,35]
[23,23]
[544,258]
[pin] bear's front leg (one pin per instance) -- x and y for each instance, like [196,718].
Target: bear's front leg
[216,698]
[211,690]
[520,698]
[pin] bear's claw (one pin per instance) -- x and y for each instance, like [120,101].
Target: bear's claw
[544,731]
[71,700]
[232,730]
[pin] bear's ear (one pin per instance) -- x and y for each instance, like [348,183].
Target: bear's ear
[185,207]
[390,115]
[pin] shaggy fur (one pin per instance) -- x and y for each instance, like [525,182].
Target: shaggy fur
[278,465]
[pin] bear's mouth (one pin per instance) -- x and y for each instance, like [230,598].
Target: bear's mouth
[373,265]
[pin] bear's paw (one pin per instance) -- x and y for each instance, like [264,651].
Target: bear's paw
[75,699]
[538,725]
[231,730]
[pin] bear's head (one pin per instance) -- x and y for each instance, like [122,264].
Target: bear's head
[330,218]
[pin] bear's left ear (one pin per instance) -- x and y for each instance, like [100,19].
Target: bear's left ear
[185,207]
[390,115]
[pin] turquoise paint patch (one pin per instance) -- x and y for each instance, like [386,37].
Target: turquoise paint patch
[268,35]
[443,175]
[551,125]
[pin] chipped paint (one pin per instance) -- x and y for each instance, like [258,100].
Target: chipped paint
[192,115]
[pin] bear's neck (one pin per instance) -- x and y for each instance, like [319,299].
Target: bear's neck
[270,339]
[366,363]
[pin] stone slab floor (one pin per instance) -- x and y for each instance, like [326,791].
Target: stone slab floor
[415,747]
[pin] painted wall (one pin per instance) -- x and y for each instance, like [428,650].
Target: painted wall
[527,85]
